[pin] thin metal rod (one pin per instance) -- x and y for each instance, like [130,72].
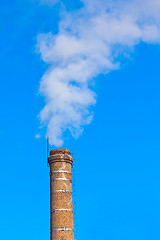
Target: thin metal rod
[47,151]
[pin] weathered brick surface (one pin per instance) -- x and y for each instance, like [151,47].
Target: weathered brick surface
[61,220]
[61,200]
[63,235]
[60,161]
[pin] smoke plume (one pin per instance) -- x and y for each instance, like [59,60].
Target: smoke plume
[89,42]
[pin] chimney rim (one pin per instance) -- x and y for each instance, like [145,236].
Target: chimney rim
[60,151]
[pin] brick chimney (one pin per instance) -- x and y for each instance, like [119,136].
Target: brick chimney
[61,220]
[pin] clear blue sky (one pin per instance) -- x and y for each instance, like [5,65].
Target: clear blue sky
[116,172]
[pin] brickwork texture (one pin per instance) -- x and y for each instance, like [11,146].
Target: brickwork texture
[61,221]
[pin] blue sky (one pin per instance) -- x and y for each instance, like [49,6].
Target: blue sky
[116,171]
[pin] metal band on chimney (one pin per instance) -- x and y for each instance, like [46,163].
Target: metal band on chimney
[62,229]
[55,210]
[65,179]
[64,191]
[60,172]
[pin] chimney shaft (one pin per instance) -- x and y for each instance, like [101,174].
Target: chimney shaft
[61,221]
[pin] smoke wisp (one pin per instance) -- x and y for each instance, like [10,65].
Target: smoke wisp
[88,43]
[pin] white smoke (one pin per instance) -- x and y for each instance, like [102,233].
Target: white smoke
[87,44]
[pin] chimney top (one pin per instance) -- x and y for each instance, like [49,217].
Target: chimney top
[60,155]
[60,151]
